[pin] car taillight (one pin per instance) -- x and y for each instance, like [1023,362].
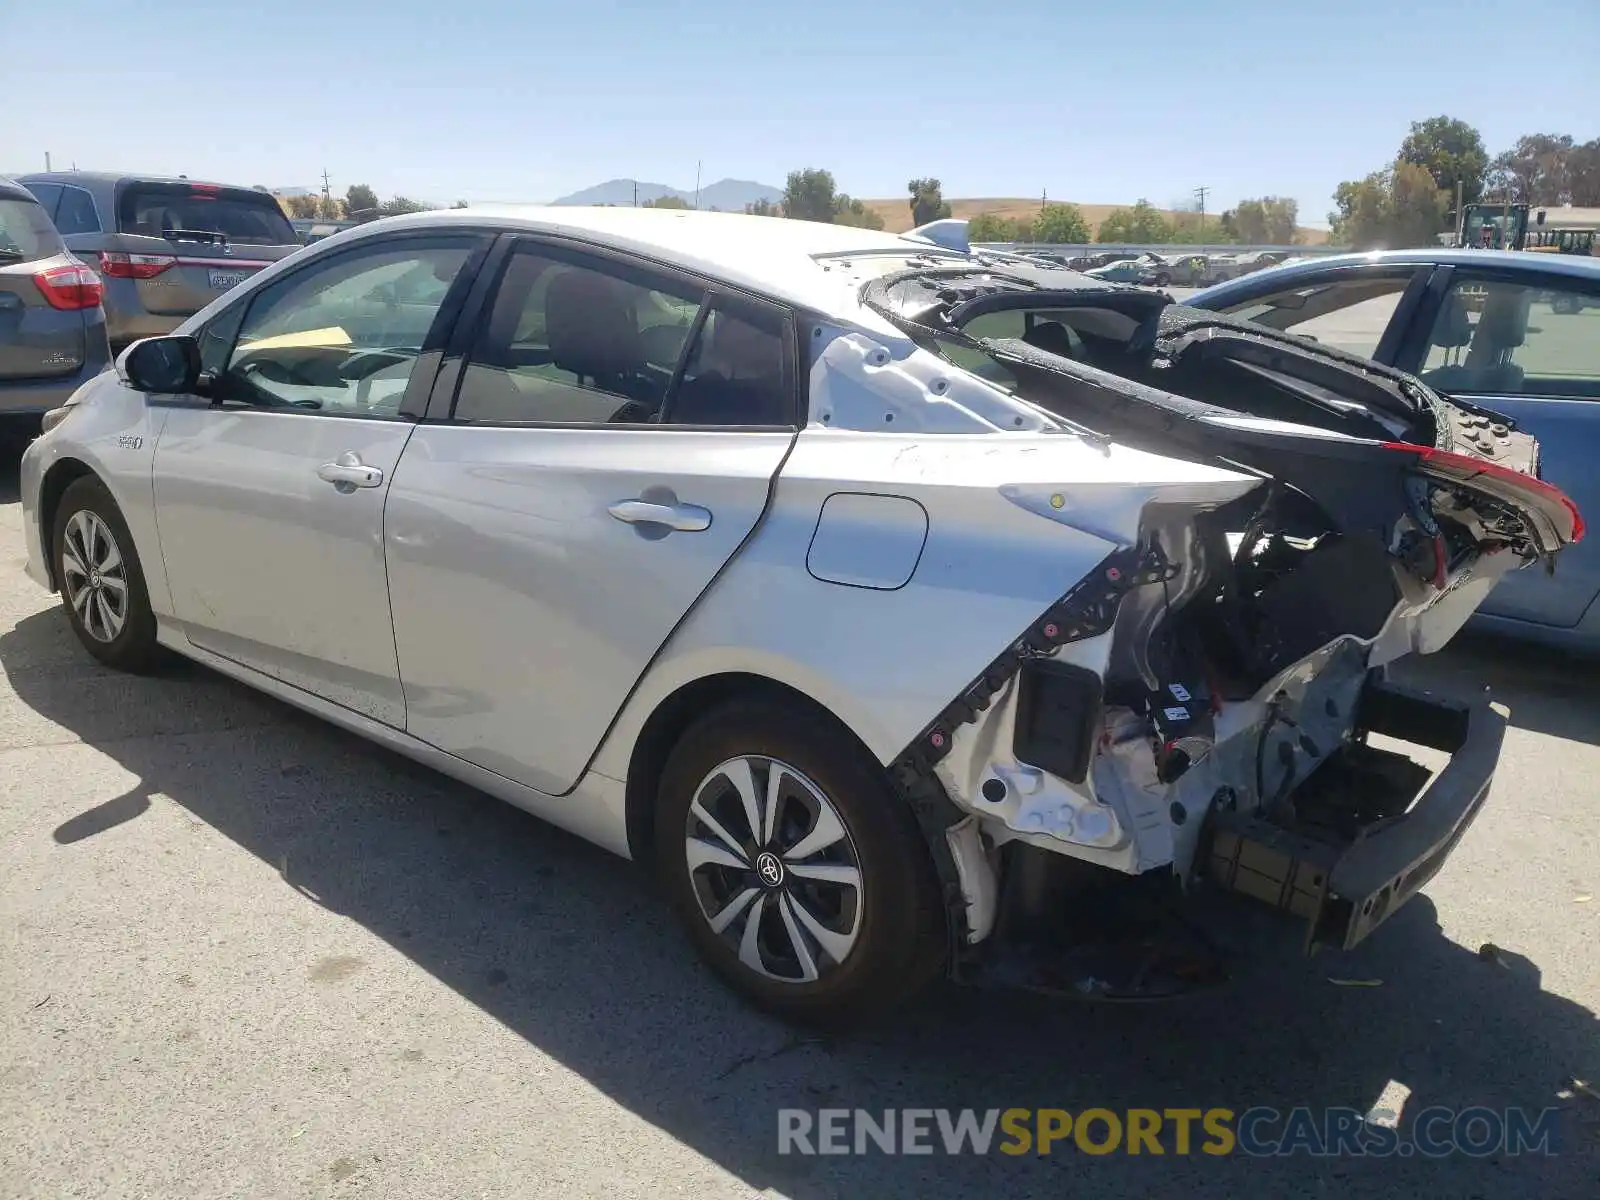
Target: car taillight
[1468,464]
[134,266]
[70,287]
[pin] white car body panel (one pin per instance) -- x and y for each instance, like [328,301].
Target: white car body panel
[485,612]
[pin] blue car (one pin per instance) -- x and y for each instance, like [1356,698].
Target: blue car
[1513,332]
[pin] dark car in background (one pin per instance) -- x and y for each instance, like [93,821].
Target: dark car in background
[52,329]
[1508,332]
[164,248]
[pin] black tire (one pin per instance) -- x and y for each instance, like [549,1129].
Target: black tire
[87,511]
[1163,280]
[899,922]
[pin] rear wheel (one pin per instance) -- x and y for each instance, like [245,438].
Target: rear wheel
[102,584]
[797,872]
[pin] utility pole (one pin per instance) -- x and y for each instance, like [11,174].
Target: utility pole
[47,160]
[697,183]
[326,192]
[636,193]
[1200,194]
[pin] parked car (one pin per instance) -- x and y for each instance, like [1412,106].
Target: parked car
[1146,268]
[52,329]
[1518,334]
[164,248]
[739,547]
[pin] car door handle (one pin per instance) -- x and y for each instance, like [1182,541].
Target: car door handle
[686,518]
[348,471]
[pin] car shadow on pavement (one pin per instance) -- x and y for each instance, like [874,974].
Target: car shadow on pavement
[570,948]
[1548,691]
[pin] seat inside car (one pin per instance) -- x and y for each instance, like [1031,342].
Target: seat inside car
[1501,329]
[593,332]
[738,381]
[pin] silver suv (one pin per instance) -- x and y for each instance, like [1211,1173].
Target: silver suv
[52,332]
[165,248]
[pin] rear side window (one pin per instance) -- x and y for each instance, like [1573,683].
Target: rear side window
[46,194]
[576,344]
[1349,314]
[25,232]
[170,210]
[76,212]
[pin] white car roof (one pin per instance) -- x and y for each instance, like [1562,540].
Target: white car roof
[767,255]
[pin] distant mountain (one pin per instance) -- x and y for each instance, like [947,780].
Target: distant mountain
[730,195]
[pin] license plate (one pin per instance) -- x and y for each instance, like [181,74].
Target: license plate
[223,280]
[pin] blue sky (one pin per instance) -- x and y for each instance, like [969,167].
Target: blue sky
[495,100]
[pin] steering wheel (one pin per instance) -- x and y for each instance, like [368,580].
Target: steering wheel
[369,362]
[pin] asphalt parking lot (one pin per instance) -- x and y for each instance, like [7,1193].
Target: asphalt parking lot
[245,954]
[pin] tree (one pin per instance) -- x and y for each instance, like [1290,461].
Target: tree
[330,208]
[1537,170]
[459,204]
[1583,170]
[853,212]
[927,201]
[763,208]
[1398,207]
[1141,225]
[1452,152]
[666,202]
[396,205]
[303,207]
[1192,229]
[808,195]
[360,198]
[1269,221]
[1060,223]
[991,227]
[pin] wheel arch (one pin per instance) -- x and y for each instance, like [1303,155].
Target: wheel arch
[62,474]
[672,717]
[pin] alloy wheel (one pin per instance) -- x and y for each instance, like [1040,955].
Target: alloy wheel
[774,869]
[94,575]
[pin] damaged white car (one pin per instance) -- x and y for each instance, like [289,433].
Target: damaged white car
[865,589]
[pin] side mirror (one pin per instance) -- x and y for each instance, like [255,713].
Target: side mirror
[163,365]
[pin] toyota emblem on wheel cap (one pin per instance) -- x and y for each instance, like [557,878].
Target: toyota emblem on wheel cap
[770,868]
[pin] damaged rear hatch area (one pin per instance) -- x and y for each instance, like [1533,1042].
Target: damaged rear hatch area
[1223,729]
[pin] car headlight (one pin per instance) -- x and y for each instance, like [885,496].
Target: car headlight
[53,418]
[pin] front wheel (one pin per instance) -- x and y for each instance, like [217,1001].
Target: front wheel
[798,873]
[102,585]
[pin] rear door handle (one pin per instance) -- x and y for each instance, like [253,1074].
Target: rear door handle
[348,471]
[686,518]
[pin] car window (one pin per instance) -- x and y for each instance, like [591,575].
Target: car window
[46,194]
[738,371]
[342,337]
[1348,314]
[240,215]
[26,234]
[76,212]
[1495,336]
[568,342]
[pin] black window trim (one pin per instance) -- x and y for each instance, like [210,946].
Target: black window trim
[584,252]
[424,373]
